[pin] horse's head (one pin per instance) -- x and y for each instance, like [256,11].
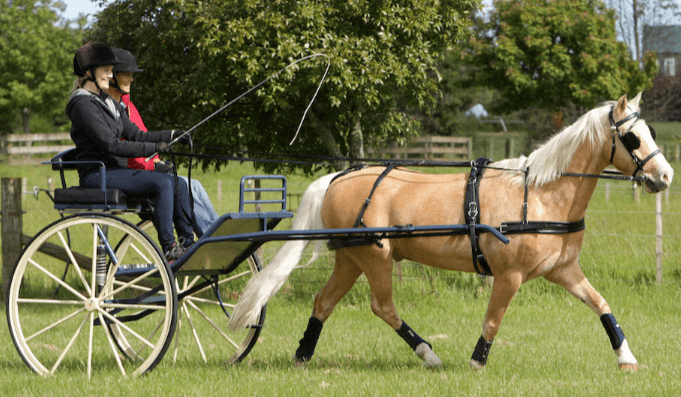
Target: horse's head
[634,151]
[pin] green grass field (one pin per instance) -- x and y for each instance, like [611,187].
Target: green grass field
[549,344]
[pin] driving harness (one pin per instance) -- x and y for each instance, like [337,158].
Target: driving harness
[471,208]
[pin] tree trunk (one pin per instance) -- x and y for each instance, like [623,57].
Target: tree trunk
[356,142]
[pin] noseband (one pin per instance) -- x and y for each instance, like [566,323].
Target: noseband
[630,141]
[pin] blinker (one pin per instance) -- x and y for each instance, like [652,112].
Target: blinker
[630,141]
[652,132]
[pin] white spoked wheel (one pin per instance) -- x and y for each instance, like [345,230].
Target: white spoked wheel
[204,306]
[68,282]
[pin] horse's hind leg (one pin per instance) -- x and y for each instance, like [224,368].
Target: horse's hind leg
[345,274]
[379,276]
[573,279]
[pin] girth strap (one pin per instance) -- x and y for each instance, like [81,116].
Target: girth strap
[542,227]
[471,212]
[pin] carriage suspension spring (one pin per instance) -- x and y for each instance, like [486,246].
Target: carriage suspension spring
[101,266]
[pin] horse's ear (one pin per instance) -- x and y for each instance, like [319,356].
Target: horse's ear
[637,99]
[621,108]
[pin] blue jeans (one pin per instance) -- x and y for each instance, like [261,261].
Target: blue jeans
[204,213]
[158,187]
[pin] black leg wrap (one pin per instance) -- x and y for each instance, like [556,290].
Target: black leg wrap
[410,336]
[309,341]
[613,329]
[482,350]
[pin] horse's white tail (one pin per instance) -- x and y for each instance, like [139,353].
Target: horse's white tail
[265,284]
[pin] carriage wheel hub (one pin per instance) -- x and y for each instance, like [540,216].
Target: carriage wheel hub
[92,304]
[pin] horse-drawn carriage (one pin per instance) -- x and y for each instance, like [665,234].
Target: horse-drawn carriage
[125,298]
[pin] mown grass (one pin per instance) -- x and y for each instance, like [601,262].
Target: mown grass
[549,344]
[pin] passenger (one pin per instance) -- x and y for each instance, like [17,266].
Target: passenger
[102,133]
[119,89]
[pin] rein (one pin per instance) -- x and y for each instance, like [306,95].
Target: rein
[328,160]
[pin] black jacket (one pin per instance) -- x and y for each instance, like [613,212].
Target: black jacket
[97,128]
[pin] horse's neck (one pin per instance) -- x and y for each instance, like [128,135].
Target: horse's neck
[573,193]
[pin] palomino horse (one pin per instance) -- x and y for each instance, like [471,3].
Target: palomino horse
[613,133]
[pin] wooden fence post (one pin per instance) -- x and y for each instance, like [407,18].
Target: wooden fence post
[12,228]
[658,237]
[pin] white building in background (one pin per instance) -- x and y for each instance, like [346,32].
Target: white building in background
[665,41]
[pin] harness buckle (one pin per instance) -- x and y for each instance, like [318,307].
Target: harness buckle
[503,228]
[472,210]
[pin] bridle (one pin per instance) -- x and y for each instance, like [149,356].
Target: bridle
[630,141]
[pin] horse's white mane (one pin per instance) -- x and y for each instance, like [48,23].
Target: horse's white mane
[553,157]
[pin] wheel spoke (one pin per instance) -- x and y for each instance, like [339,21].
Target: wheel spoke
[57,279]
[137,287]
[122,325]
[196,335]
[133,306]
[75,263]
[68,345]
[209,301]
[94,258]
[111,343]
[217,328]
[58,322]
[151,335]
[89,346]
[49,301]
[178,330]
[128,284]
[144,257]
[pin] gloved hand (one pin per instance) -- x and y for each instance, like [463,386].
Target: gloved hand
[185,139]
[163,166]
[162,147]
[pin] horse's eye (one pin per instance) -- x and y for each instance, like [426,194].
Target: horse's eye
[652,132]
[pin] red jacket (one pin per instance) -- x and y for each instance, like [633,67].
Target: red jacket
[134,115]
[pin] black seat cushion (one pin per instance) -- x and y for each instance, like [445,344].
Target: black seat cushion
[79,195]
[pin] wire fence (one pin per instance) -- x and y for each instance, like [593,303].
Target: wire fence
[624,243]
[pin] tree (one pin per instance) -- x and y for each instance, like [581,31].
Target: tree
[552,54]
[36,61]
[199,55]
[632,15]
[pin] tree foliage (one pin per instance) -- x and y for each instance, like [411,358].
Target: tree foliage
[198,56]
[36,55]
[551,54]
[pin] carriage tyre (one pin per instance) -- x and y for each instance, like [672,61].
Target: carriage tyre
[64,330]
[202,322]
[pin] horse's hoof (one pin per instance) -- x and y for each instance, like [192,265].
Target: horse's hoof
[430,359]
[477,365]
[299,362]
[629,367]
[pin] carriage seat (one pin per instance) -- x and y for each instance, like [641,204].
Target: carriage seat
[76,197]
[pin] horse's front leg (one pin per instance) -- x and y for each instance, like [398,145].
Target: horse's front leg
[504,289]
[573,279]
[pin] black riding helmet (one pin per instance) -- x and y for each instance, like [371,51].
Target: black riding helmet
[90,56]
[128,64]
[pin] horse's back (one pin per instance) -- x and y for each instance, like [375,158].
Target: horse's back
[402,197]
